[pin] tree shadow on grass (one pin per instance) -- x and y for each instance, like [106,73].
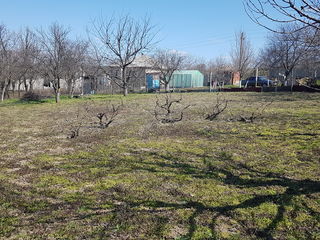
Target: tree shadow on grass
[281,200]
[293,188]
[232,175]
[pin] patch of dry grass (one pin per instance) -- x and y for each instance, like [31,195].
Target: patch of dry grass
[140,179]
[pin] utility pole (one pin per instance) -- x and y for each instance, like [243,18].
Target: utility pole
[257,74]
[210,81]
[241,52]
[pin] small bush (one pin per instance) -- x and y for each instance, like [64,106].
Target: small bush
[31,96]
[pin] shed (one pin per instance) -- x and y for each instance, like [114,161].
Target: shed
[186,79]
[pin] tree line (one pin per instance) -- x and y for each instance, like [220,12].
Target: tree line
[293,43]
[53,55]
[50,54]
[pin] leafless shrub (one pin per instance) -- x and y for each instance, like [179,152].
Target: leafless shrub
[253,116]
[165,110]
[217,108]
[83,119]
[74,131]
[108,116]
[78,121]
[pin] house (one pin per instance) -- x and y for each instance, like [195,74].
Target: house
[142,78]
[136,72]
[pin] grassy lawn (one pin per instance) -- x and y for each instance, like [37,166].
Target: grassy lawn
[141,179]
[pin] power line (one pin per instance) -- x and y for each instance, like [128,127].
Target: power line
[213,41]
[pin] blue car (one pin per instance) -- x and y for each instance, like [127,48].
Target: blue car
[261,81]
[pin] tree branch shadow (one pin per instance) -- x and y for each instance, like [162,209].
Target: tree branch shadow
[293,188]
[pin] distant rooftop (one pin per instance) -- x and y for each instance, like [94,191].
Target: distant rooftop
[142,61]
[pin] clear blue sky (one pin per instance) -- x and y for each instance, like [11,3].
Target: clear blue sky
[202,28]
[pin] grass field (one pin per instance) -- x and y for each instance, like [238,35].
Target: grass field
[141,179]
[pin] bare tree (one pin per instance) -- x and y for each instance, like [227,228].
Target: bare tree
[54,46]
[29,53]
[196,63]
[8,60]
[309,65]
[120,41]
[220,71]
[74,64]
[285,51]
[167,62]
[92,64]
[264,12]
[242,54]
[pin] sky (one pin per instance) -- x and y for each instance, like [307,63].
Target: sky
[202,28]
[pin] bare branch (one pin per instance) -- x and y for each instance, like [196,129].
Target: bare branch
[219,107]
[119,42]
[264,12]
[167,62]
[165,110]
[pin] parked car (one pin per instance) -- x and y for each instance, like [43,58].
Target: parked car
[261,81]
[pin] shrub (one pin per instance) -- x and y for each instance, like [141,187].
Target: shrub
[31,96]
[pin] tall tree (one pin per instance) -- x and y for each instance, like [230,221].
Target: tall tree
[8,59]
[285,51]
[74,64]
[242,54]
[54,45]
[220,71]
[120,41]
[29,53]
[166,62]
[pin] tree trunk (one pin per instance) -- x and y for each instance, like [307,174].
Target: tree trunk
[57,91]
[125,91]
[287,73]
[13,88]
[7,93]
[57,95]
[167,87]
[25,85]
[19,89]
[71,86]
[3,92]
[124,81]
[71,93]
[30,85]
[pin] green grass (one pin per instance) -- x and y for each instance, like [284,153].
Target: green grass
[139,179]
